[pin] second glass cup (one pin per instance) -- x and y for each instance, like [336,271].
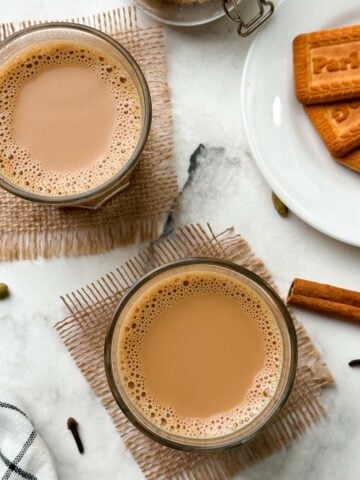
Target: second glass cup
[167,353]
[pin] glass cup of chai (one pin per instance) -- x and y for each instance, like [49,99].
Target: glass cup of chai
[75,113]
[201,354]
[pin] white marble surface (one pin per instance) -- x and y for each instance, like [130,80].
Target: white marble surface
[204,73]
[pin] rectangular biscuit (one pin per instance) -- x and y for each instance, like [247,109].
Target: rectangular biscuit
[327,65]
[338,124]
[352,160]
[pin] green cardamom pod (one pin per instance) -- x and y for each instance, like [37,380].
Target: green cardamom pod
[280,207]
[4,291]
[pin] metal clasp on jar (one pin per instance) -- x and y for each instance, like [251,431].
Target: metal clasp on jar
[232,10]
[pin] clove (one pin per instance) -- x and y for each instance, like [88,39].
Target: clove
[73,426]
[355,363]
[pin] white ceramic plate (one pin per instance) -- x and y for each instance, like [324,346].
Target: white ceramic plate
[288,151]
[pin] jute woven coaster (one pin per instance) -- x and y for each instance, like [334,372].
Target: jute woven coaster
[29,230]
[83,333]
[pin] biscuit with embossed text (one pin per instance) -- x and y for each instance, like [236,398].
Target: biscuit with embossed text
[327,65]
[338,124]
[352,160]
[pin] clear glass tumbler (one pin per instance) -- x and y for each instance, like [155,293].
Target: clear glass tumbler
[289,361]
[64,31]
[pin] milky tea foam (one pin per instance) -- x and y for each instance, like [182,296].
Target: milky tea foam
[200,354]
[71,117]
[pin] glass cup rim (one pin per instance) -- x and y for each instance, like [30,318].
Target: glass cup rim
[147,113]
[288,321]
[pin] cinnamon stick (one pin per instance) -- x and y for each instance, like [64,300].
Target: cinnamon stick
[323,298]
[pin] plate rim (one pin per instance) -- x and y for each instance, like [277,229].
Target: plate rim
[274,185]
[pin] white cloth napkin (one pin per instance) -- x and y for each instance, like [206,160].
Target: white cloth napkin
[23,454]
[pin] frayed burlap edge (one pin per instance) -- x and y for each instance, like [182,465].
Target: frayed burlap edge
[112,22]
[58,237]
[88,241]
[83,333]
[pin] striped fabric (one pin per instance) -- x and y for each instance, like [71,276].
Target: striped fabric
[23,455]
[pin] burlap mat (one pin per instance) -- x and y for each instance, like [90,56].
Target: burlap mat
[84,330]
[29,230]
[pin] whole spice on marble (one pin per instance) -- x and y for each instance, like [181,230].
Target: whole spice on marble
[73,426]
[4,291]
[280,207]
[325,299]
[355,363]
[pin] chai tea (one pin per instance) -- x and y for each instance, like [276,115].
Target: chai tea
[200,354]
[71,117]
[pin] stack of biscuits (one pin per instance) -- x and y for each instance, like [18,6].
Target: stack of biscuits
[327,83]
